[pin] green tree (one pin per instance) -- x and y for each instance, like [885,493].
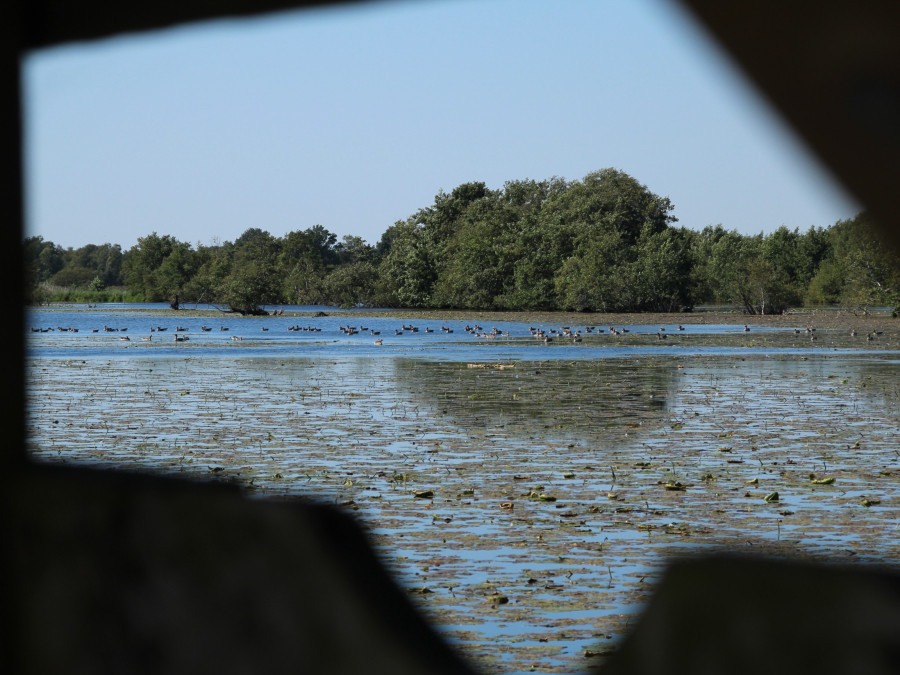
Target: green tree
[78,277]
[765,288]
[177,269]
[594,277]
[706,284]
[213,265]
[612,239]
[302,264]
[871,269]
[610,200]
[253,280]
[323,242]
[478,261]
[141,262]
[351,284]
[827,286]
[660,275]
[352,249]
[727,268]
[441,221]
[407,273]
[42,259]
[813,248]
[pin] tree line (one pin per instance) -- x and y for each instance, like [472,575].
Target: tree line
[605,243]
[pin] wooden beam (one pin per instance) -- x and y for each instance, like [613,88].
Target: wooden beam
[833,71]
[51,22]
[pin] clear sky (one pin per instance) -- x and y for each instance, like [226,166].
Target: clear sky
[354,118]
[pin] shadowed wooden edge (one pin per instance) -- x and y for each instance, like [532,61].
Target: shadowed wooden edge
[746,615]
[135,574]
[832,69]
[49,22]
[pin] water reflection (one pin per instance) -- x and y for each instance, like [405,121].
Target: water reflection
[584,399]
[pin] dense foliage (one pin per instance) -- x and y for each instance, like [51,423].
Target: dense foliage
[605,243]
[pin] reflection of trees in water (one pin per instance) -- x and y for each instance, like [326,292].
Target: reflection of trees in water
[572,398]
[877,383]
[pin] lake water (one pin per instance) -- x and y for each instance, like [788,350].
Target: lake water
[563,475]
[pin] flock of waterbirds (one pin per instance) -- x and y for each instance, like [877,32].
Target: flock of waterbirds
[546,335]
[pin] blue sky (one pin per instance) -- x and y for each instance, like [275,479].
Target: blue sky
[354,118]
